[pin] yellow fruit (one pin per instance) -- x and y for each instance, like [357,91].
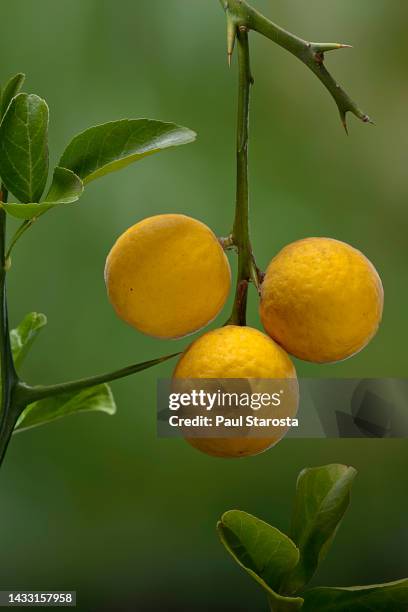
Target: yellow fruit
[236,352]
[167,276]
[321,300]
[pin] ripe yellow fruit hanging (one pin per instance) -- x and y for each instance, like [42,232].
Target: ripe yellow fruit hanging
[168,276]
[236,352]
[321,300]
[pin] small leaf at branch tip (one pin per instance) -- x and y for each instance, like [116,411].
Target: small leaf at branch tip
[367,119]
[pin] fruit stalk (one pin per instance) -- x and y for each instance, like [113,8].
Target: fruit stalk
[240,233]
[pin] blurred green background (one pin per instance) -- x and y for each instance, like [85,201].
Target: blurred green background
[97,503]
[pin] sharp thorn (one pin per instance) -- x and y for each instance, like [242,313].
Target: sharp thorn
[231,36]
[324,47]
[344,122]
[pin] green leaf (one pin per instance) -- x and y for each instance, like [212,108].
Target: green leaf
[391,597]
[66,188]
[265,553]
[24,335]
[24,147]
[10,90]
[99,398]
[111,146]
[322,498]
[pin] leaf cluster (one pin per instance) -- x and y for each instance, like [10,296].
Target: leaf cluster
[99,150]
[26,176]
[283,564]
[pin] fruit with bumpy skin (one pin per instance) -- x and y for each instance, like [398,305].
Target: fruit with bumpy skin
[238,353]
[167,276]
[321,300]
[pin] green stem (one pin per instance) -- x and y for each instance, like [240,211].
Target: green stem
[311,54]
[9,379]
[20,231]
[26,394]
[240,232]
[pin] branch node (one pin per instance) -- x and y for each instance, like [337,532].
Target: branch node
[227,242]
[319,57]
